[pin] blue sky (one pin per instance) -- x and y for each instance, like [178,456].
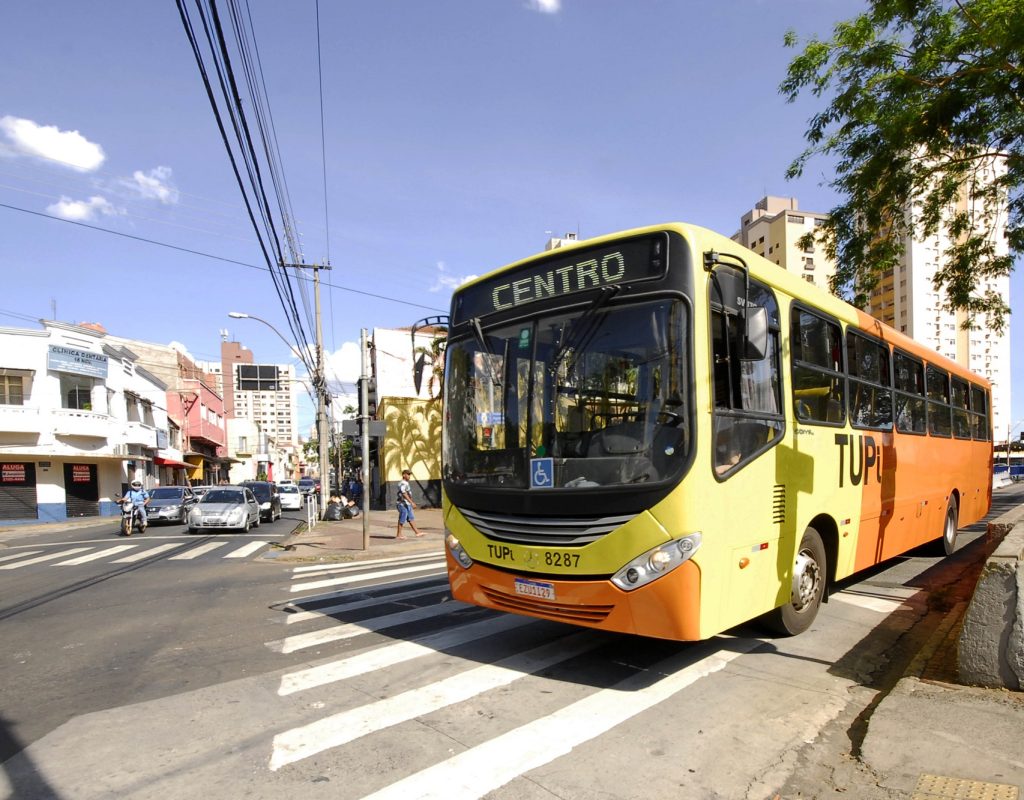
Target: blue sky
[460,135]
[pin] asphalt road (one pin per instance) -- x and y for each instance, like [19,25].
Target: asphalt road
[255,678]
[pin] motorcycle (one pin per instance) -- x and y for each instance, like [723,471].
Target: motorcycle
[130,518]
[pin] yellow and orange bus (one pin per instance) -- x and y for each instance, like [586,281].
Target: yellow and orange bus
[659,432]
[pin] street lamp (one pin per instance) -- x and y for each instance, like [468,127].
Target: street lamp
[321,415]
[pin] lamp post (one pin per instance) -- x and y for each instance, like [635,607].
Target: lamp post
[321,415]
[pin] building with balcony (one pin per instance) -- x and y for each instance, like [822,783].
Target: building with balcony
[80,418]
[195,408]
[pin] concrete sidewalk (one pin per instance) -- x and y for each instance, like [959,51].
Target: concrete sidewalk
[343,541]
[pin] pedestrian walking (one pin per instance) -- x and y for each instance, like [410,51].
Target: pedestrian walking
[405,506]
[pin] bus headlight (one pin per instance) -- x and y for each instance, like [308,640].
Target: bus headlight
[657,562]
[458,551]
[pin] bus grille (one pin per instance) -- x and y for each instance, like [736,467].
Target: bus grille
[586,614]
[545,531]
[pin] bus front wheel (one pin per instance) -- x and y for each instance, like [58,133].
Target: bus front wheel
[809,576]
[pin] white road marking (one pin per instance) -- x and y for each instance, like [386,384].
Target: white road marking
[12,556]
[338,729]
[110,551]
[416,580]
[366,576]
[197,551]
[881,605]
[397,653]
[376,600]
[484,768]
[348,566]
[245,550]
[146,553]
[352,629]
[50,557]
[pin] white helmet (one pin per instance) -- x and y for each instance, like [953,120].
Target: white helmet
[136,484]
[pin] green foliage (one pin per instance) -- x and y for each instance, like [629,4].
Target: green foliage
[925,112]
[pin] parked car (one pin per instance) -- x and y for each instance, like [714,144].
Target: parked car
[307,485]
[199,491]
[291,497]
[225,508]
[268,497]
[170,504]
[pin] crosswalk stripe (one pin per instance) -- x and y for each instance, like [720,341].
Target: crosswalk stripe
[338,729]
[197,551]
[110,551]
[19,555]
[50,557]
[397,653]
[883,605]
[146,553]
[348,566]
[302,587]
[482,769]
[246,549]
[352,629]
[376,600]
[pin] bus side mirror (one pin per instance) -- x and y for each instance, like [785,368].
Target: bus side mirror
[755,346]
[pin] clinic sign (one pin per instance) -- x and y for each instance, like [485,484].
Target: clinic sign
[78,362]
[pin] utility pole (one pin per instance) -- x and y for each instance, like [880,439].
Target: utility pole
[320,383]
[364,432]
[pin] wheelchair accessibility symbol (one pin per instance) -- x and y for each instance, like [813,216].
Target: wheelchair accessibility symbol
[542,473]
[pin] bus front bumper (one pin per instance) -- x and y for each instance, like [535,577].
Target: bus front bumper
[667,608]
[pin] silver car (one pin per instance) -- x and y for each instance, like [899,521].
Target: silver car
[225,508]
[170,504]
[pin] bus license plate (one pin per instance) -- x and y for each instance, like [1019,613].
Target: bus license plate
[541,589]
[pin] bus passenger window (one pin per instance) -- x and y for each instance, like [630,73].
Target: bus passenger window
[940,417]
[910,394]
[818,381]
[979,414]
[961,409]
[870,388]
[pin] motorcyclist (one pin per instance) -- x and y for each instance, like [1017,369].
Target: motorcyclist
[139,498]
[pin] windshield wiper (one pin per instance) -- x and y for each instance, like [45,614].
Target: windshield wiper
[481,340]
[583,330]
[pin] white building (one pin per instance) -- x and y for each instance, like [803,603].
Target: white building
[907,300]
[79,420]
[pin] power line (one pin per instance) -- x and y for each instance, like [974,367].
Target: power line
[215,257]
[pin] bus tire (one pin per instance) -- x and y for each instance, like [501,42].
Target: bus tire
[949,526]
[810,571]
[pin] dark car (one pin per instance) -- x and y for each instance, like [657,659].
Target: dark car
[268,497]
[170,504]
[307,485]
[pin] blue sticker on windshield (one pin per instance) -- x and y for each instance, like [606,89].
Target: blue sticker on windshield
[542,473]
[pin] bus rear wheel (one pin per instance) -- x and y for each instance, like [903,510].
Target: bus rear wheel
[949,526]
[809,576]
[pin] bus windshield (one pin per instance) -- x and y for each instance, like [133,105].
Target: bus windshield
[601,391]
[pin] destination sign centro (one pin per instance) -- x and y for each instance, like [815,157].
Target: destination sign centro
[581,269]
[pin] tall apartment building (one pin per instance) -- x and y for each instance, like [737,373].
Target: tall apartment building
[260,406]
[907,300]
[773,228]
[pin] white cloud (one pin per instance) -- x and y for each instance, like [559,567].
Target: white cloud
[157,184]
[446,281]
[545,6]
[70,148]
[176,345]
[79,210]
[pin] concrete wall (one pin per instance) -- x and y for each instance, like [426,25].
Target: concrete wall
[991,651]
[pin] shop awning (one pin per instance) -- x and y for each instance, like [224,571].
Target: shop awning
[170,462]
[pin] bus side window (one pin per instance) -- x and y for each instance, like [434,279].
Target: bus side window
[979,414]
[819,386]
[940,415]
[910,393]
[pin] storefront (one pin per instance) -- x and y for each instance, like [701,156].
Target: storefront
[18,490]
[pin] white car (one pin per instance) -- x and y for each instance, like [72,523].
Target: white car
[291,497]
[225,508]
